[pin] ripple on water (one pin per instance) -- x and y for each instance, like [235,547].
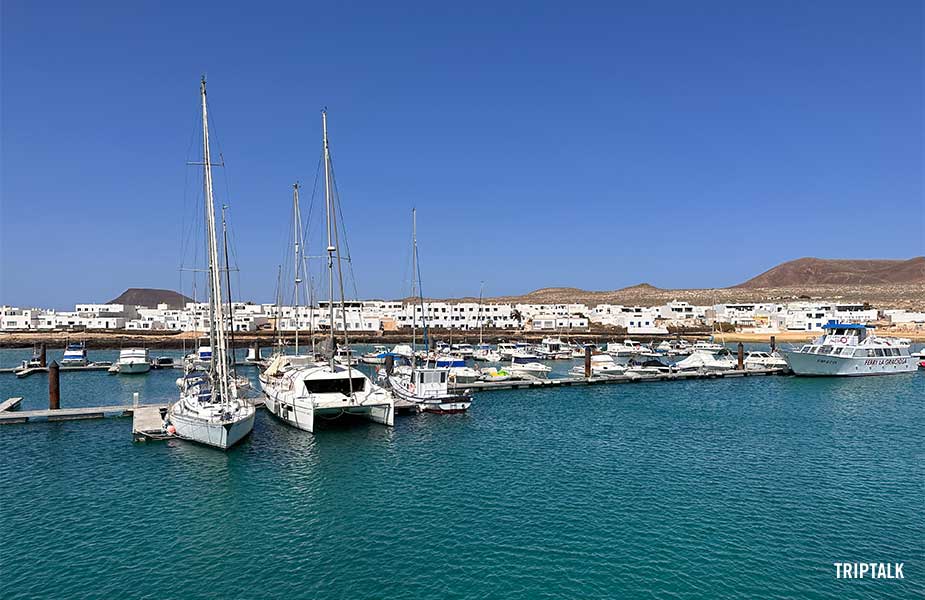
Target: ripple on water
[700,489]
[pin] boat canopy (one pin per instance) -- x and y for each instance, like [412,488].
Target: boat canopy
[837,325]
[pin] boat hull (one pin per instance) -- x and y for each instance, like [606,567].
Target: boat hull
[821,365]
[210,433]
[438,404]
[133,368]
[300,412]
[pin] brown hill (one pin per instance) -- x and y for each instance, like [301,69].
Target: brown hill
[824,271]
[151,298]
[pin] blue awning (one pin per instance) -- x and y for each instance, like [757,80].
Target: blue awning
[837,325]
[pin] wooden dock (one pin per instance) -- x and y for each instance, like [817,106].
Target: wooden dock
[148,422]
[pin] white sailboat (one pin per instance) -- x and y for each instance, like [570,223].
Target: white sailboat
[300,389]
[209,410]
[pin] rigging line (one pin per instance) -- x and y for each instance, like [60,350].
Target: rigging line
[340,281]
[340,210]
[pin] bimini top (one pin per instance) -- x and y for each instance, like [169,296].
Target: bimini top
[837,325]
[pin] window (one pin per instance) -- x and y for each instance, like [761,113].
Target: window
[335,386]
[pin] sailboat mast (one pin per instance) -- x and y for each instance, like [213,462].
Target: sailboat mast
[228,285]
[481,291]
[219,360]
[414,276]
[329,221]
[297,262]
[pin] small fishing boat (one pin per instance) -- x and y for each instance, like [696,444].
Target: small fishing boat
[552,348]
[163,362]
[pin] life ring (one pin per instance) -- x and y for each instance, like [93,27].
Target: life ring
[843,340]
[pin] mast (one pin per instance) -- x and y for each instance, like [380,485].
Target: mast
[481,291]
[331,248]
[296,238]
[219,362]
[279,308]
[228,285]
[414,260]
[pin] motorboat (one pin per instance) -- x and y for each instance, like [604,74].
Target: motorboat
[851,349]
[601,364]
[707,361]
[552,348]
[376,357]
[764,360]
[484,353]
[132,361]
[506,350]
[525,364]
[465,350]
[75,355]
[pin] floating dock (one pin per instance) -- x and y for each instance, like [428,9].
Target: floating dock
[20,372]
[525,384]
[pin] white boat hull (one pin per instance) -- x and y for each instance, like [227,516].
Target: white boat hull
[133,368]
[301,411]
[212,433]
[802,363]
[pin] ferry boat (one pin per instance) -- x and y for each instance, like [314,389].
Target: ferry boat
[75,355]
[850,349]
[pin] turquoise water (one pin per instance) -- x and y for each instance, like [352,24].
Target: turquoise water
[702,489]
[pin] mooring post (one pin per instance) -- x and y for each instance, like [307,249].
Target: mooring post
[389,364]
[773,343]
[54,387]
[587,361]
[42,355]
[257,351]
[741,365]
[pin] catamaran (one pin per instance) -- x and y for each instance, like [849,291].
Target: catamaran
[301,389]
[209,410]
[850,349]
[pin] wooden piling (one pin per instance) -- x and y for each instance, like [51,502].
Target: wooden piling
[389,364]
[54,387]
[43,355]
[773,343]
[587,361]
[741,363]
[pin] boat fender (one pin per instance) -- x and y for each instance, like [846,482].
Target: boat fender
[411,387]
[171,430]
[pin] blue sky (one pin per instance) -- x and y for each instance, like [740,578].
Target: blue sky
[570,144]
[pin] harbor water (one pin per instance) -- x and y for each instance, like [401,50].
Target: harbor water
[733,488]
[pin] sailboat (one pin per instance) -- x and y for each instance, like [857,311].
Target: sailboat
[300,389]
[209,410]
[424,385]
[483,351]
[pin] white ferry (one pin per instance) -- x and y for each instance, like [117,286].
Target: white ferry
[848,349]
